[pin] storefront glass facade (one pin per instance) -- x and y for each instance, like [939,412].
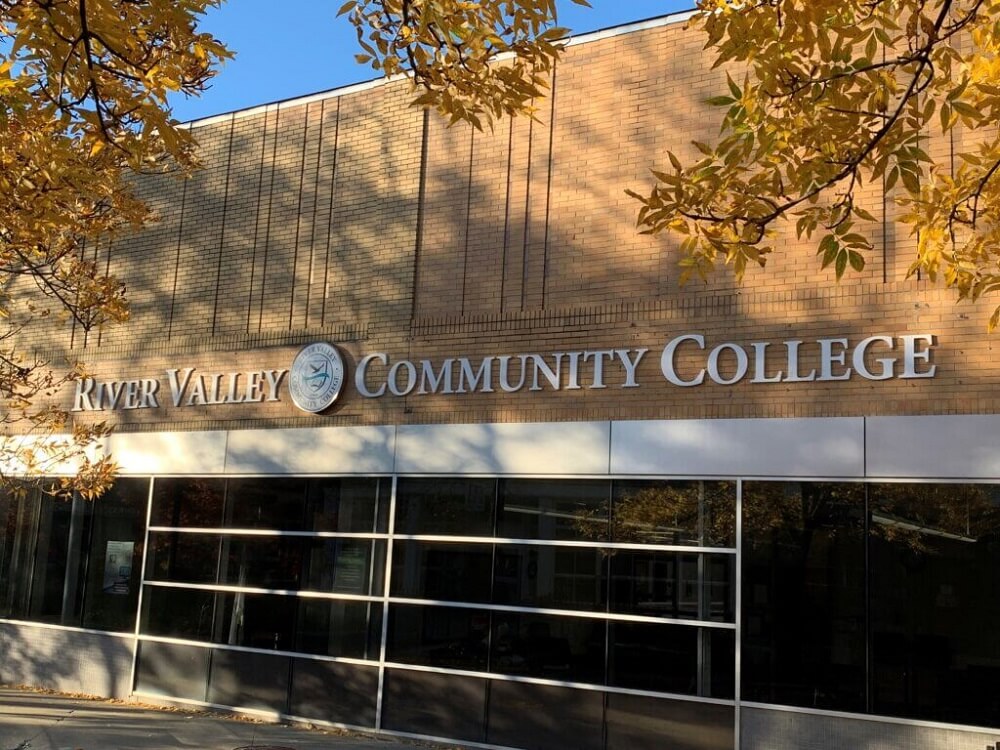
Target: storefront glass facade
[552,613]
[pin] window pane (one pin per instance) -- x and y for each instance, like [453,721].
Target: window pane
[59,560]
[441,571]
[344,566]
[344,505]
[558,648]
[333,627]
[18,519]
[333,691]
[182,558]
[261,562]
[118,520]
[935,594]
[277,504]
[676,585]
[438,636]
[188,503]
[553,509]
[636,722]
[550,577]
[689,513]
[178,613]
[459,507]
[804,594]
[434,704]
[544,717]
[249,680]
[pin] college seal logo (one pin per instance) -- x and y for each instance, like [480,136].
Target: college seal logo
[316,377]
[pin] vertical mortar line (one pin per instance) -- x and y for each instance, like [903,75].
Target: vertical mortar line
[548,186]
[177,260]
[270,208]
[222,232]
[107,272]
[506,216]
[329,223]
[468,215]
[315,211]
[421,196]
[885,220]
[298,222]
[527,215]
[256,226]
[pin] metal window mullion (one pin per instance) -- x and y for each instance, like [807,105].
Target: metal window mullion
[142,588]
[738,654]
[386,583]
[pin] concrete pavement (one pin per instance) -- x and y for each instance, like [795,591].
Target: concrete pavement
[42,721]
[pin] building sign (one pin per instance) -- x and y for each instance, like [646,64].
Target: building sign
[316,375]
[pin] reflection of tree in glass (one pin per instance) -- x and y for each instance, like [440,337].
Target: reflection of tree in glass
[686,513]
[919,515]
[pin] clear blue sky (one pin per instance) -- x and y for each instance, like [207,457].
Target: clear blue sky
[304,48]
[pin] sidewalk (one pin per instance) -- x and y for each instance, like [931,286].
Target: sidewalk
[41,721]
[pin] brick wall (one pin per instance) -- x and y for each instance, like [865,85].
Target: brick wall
[359,220]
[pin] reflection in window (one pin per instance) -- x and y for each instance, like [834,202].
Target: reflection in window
[550,577]
[689,513]
[548,509]
[804,594]
[935,601]
[442,571]
[672,584]
[458,507]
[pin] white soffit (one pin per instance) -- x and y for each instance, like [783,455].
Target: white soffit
[740,447]
[945,446]
[323,450]
[168,452]
[556,448]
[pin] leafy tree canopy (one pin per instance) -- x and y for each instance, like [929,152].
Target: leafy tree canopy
[835,95]
[83,103]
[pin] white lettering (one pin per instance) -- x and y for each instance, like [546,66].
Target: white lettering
[81,399]
[630,365]
[411,378]
[466,376]
[274,378]
[362,371]
[741,364]
[760,365]
[599,357]
[551,375]
[858,360]
[435,380]
[505,375]
[911,355]
[667,360]
[793,365]
[179,385]
[827,358]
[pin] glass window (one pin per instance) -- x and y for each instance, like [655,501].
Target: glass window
[550,577]
[188,503]
[440,705]
[553,509]
[804,594]
[438,636]
[178,613]
[277,504]
[636,722]
[442,571]
[18,517]
[456,507]
[115,556]
[344,566]
[183,558]
[935,601]
[333,627]
[688,513]
[544,717]
[560,648]
[334,691]
[678,585]
[347,505]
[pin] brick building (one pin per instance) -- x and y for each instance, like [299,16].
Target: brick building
[557,500]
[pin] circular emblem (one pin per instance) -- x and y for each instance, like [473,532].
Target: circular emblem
[316,377]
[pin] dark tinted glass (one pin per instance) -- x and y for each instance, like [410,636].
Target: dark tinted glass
[18,518]
[345,505]
[438,636]
[61,530]
[544,717]
[636,722]
[344,566]
[441,571]
[273,562]
[437,705]
[188,503]
[673,584]
[804,594]
[335,692]
[278,504]
[339,628]
[562,648]
[460,507]
[249,680]
[173,670]
[178,613]
[550,577]
[115,556]
[183,558]
[553,509]
[653,657]
[935,601]
[689,513]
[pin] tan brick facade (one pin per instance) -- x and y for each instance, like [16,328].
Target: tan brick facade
[356,219]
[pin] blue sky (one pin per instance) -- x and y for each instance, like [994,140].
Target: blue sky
[305,48]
